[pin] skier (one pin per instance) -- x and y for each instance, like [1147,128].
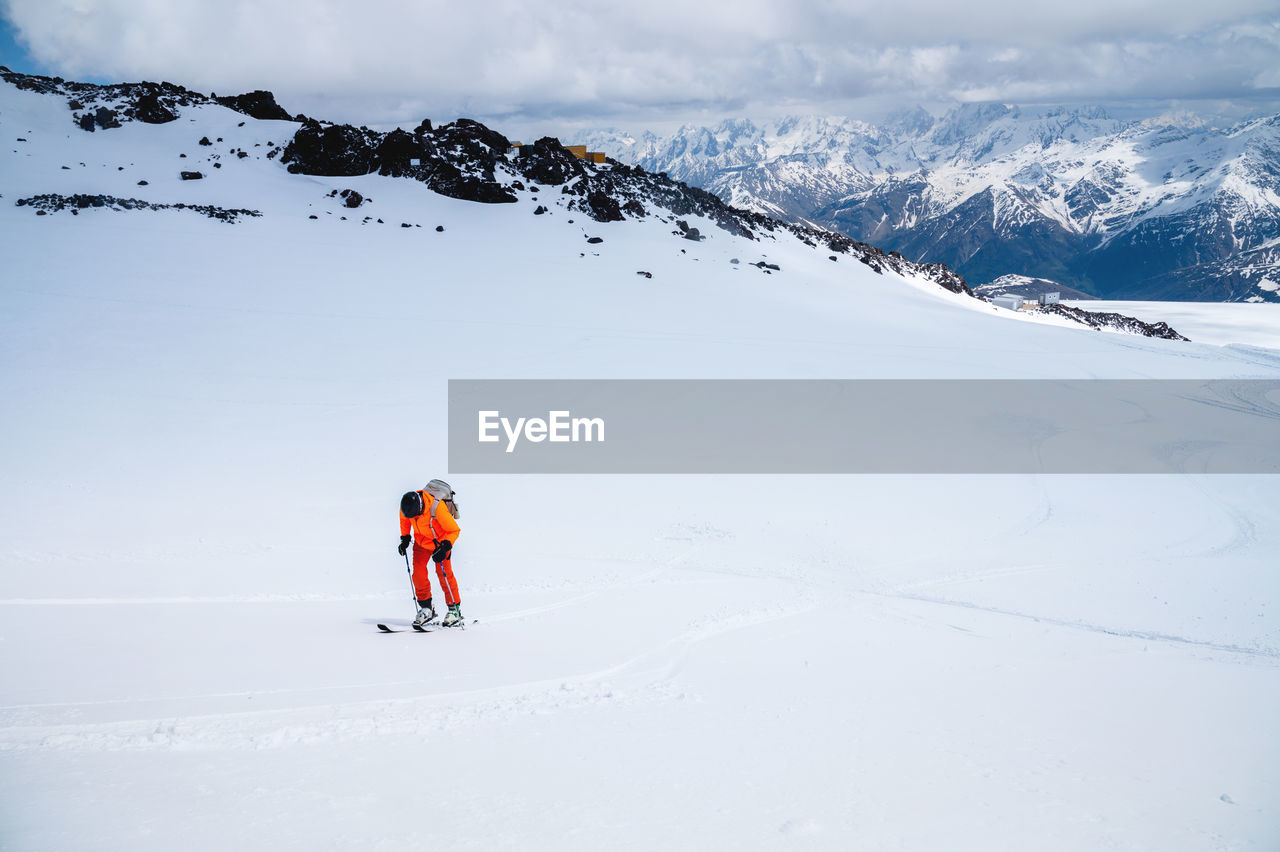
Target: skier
[434,531]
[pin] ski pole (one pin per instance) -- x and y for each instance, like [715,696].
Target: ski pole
[413,590]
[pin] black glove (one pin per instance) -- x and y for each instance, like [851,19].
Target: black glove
[404,544]
[442,551]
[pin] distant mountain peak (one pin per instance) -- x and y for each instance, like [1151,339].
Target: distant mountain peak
[1158,208]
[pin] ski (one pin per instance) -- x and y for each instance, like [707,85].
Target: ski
[461,625]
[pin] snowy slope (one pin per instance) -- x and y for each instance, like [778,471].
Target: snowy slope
[207,426]
[1226,324]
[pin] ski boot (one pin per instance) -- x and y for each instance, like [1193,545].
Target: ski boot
[453,618]
[426,615]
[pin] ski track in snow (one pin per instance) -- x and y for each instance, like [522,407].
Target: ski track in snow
[191,599]
[647,676]
[647,577]
[1263,655]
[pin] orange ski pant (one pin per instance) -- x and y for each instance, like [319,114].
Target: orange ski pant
[422,576]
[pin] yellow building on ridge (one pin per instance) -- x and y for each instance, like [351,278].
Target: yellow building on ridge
[579,151]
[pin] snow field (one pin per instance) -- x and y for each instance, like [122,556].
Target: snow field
[1222,323]
[208,425]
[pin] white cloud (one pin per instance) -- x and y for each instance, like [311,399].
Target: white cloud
[399,60]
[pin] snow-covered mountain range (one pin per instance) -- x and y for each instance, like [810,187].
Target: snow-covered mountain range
[1168,208]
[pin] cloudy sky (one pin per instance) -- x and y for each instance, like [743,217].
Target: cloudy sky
[528,65]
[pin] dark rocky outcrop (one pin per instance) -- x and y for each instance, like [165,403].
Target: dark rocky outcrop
[148,109]
[259,104]
[687,232]
[938,273]
[150,103]
[469,130]
[338,149]
[548,162]
[626,184]
[105,118]
[457,159]
[603,207]
[1115,322]
[52,203]
[36,83]
[397,151]
[461,161]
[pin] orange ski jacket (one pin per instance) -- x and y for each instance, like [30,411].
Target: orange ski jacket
[436,523]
